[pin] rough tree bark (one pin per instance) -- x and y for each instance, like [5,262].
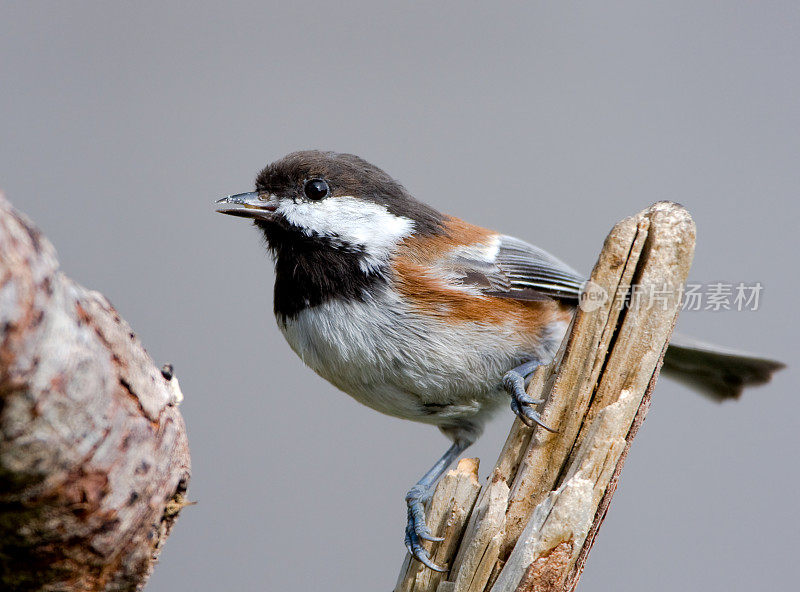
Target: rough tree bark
[94,461]
[532,527]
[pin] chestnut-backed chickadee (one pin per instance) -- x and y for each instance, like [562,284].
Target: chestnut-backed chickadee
[420,315]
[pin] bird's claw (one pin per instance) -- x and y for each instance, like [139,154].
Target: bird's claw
[522,402]
[417,531]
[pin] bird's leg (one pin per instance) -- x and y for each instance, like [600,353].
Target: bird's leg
[416,529]
[514,383]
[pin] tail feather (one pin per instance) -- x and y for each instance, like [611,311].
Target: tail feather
[714,371]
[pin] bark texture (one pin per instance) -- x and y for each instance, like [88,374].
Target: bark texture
[534,524]
[94,460]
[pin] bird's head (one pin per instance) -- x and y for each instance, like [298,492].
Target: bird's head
[334,201]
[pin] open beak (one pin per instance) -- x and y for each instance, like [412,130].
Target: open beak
[260,206]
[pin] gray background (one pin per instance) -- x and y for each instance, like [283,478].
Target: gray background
[122,122]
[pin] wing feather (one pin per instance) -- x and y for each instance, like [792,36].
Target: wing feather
[511,268]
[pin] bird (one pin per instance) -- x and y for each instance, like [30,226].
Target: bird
[421,315]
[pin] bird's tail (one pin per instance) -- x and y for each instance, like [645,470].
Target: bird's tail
[714,371]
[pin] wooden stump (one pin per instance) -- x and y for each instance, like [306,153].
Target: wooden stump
[94,460]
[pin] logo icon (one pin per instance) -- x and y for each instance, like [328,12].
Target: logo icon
[592,297]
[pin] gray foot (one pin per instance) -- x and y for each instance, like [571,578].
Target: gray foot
[416,529]
[521,402]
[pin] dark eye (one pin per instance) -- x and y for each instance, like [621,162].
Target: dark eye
[316,189]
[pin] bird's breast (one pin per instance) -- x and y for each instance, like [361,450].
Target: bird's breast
[400,362]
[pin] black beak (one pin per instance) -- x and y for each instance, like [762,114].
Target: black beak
[260,206]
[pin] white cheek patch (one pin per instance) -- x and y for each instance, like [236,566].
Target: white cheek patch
[350,221]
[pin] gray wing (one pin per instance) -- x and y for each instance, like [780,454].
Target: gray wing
[529,268]
[515,269]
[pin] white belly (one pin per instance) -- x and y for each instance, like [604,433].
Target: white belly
[403,364]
